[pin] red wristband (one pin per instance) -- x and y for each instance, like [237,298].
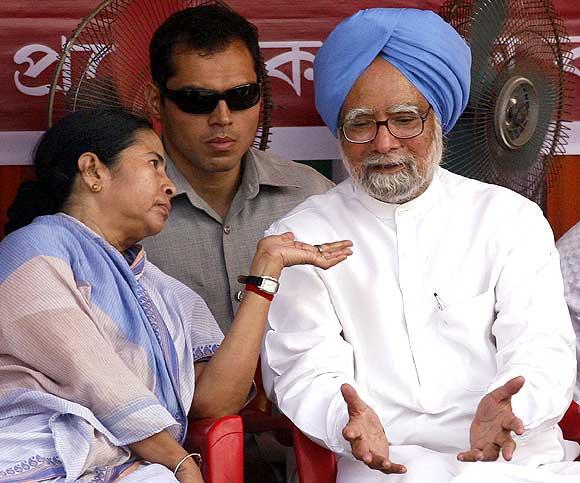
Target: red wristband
[253,288]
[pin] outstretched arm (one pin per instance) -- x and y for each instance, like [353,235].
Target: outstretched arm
[234,364]
[532,330]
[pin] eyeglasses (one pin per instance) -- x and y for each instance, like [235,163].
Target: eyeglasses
[403,125]
[204,101]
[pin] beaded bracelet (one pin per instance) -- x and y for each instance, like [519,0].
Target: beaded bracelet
[196,457]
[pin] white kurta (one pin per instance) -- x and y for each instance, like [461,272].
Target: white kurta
[569,248]
[423,362]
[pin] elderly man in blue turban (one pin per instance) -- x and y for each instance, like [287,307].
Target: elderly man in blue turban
[445,339]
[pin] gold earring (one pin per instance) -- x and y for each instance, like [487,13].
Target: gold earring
[96,188]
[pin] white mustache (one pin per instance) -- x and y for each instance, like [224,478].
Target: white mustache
[387,160]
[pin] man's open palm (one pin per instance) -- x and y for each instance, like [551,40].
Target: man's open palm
[365,434]
[493,424]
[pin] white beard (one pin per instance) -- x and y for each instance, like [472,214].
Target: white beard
[402,186]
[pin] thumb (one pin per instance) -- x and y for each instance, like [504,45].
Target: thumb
[510,388]
[353,401]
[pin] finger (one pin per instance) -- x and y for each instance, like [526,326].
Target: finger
[320,250]
[361,451]
[375,461]
[471,455]
[508,449]
[510,388]
[337,253]
[354,403]
[306,247]
[394,468]
[383,464]
[331,247]
[515,424]
[351,433]
[491,452]
[503,437]
[287,236]
[326,263]
[336,245]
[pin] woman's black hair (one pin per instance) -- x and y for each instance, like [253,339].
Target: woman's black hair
[104,132]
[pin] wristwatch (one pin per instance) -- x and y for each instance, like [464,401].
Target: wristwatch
[264,283]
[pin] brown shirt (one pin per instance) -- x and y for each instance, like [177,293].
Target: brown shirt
[207,252]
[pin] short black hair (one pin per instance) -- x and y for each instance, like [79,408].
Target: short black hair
[208,29]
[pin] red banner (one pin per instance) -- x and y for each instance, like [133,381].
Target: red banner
[34,32]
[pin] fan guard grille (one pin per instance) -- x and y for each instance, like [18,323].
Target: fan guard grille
[514,124]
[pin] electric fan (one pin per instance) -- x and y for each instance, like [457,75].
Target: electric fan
[105,62]
[514,123]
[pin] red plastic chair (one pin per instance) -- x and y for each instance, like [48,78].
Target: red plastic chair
[315,464]
[221,445]
[258,417]
[570,423]
[318,465]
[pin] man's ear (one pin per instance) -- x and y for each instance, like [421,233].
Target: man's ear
[154,100]
[91,170]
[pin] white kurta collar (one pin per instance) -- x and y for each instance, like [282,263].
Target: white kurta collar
[388,211]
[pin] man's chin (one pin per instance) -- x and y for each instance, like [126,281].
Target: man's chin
[221,163]
[388,192]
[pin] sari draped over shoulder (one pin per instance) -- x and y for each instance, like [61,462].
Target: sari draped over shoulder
[97,351]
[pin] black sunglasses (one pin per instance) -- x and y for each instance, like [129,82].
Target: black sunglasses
[204,101]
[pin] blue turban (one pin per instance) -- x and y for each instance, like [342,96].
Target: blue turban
[419,43]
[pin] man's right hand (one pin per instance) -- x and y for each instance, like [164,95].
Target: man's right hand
[365,434]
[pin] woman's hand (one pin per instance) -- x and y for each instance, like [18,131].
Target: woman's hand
[278,251]
[234,364]
[189,472]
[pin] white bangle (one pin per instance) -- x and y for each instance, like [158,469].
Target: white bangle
[195,456]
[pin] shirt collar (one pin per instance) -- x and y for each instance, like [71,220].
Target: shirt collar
[417,206]
[181,184]
[260,168]
[182,187]
[271,170]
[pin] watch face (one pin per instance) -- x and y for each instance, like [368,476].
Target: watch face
[269,286]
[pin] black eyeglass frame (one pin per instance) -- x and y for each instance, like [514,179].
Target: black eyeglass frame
[177,96]
[385,123]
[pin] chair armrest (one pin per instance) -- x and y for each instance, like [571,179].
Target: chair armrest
[315,464]
[221,445]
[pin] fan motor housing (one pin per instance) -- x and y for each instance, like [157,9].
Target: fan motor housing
[516,112]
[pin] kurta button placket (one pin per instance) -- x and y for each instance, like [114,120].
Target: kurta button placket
[227,229]
[239,296]
[407,245]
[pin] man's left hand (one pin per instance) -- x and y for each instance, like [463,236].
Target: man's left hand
[493,423]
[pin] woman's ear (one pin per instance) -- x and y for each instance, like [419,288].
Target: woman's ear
[92,171]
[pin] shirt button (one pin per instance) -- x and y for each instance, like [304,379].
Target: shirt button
[240,295]
[227,229]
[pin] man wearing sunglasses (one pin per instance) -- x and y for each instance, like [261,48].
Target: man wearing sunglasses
[445,339]
[206,92]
